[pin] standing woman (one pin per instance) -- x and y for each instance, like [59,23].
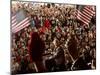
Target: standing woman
[36,48]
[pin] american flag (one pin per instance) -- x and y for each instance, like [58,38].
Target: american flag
[19,21]
[86,14]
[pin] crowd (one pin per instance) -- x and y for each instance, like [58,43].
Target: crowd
[69,44]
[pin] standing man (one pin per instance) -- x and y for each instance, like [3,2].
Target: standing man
[36,49]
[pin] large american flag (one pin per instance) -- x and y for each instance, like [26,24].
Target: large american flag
[19,21]
[86,14]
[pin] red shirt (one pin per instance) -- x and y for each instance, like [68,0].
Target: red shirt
[47,23]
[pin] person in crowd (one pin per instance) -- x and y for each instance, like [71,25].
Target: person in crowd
[36,49]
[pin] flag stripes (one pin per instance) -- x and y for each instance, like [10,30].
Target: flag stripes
[21,25]
[85,15]
[17,26]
